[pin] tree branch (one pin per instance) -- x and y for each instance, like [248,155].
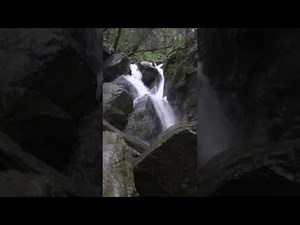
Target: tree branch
[135,48]
[153,49]
[116,42]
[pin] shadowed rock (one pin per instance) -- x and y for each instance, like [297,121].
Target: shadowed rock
[270,169]
[18,184]
[163,170]
[150,74]
[39,126]
[117,104]
[13,157]
[85,163]
[51,62]
[115,66]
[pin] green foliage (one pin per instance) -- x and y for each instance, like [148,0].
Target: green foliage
[150,56]
[150,44]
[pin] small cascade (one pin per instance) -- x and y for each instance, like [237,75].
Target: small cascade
[162,107]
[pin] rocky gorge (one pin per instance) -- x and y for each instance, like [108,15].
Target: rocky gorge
[236,96]
[146,152]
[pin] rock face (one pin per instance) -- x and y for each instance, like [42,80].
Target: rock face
[255,75]
[114,66]
[255,72]
[49,80]
[117,167]
[143,121]
[48,61]
[180,71]
[117,104]
[150,74]
[40,127]
[18,184]
[13,157]
[85,164]
[165,168]
[263,170]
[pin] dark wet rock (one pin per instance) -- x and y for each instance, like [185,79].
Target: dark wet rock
[85,164]
[18,184]
[180,71]
[115,66]
[143,121]
[135,143]
[164,169]
[117,167]
[13,157]
[150,74]
[39,126]
[123,82]
[52,62]
[258,170]
[256,75]
[117,104]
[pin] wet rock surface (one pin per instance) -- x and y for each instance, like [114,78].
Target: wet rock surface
[164,169]
[263,170]
[117,104]
[143,121]
[254,72]
[17,184]
[49,80]
[115,66]
[180,71]
[85,163]
[117,167]
[41,128]
[150,74]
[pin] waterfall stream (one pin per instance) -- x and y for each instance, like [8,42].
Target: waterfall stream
[214,128]
[162,107]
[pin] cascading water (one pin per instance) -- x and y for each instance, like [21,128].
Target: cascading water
[162,107]
[214,129]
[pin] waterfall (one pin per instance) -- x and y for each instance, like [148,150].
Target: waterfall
[214,129]
[162,107]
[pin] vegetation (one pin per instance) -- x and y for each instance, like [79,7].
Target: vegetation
[150,44]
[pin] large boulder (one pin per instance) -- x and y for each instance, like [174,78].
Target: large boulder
[117,167]
[124,83]
[164,169]
[117,104]
[52,62]
[39,126]
[150,74]
[115,66]
[143,122]
[85,163]
[19,184]
[258,170]
[13,157]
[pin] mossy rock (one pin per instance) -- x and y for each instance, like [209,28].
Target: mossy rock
[117,167]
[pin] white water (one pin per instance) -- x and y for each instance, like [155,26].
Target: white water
[162,107]
[214,129]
